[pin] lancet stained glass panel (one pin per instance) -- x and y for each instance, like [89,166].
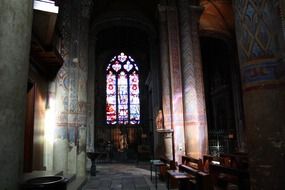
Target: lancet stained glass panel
[122,91]
[111,98]
[134,98]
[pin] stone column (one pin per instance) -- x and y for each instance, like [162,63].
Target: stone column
[282,12]
[257,30]
[60,143]
[195,123]
[82,86]
[176,82]
[61,83]
[91,95]
[74,92]
[165,79]
[164,59]
[15,39]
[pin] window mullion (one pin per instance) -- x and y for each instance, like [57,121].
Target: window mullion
[117,101]
[129,109]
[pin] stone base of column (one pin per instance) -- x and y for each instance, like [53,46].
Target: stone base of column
[167,135]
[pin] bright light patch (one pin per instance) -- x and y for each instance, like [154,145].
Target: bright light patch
[216,162]
[45,5]
[50,123]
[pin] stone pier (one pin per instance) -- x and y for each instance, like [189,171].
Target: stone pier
[258,30]
[15,39]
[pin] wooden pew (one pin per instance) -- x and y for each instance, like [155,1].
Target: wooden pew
[224,176]
[192,162]
[168,165]
[235,160]
[198,180]
[191,175]
[207,160]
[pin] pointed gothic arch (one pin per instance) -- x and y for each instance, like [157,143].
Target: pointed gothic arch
[122,91]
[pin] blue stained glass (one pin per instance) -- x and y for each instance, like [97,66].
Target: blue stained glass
[128,66]
[122,98]
[122,91]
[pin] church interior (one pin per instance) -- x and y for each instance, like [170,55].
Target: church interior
[193,88]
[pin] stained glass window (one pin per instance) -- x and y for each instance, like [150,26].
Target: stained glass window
[122,91]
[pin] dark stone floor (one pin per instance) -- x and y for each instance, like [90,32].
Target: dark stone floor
[123,177]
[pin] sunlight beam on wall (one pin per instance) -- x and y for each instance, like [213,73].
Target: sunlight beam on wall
[50,119]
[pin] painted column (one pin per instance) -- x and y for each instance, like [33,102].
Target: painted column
[282,13]
[91,96]
[199,80]
[257,30]
[176,82]
[15,39]
[74,73]
[60,142]
[195,124]
[165,79]
[61,91]
[164,59]
[82,86]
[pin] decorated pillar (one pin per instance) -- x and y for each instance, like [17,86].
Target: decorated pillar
[86,7]
[61,93]
[195,124]
[164,59]
[282,13]
[257,30]
[165,80]
[91,96]
[177,116]
[15,40]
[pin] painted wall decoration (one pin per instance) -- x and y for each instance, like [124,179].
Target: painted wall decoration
[264,71]
[257,27]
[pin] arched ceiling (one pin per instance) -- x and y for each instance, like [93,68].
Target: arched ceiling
[217,17]
[124,25]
